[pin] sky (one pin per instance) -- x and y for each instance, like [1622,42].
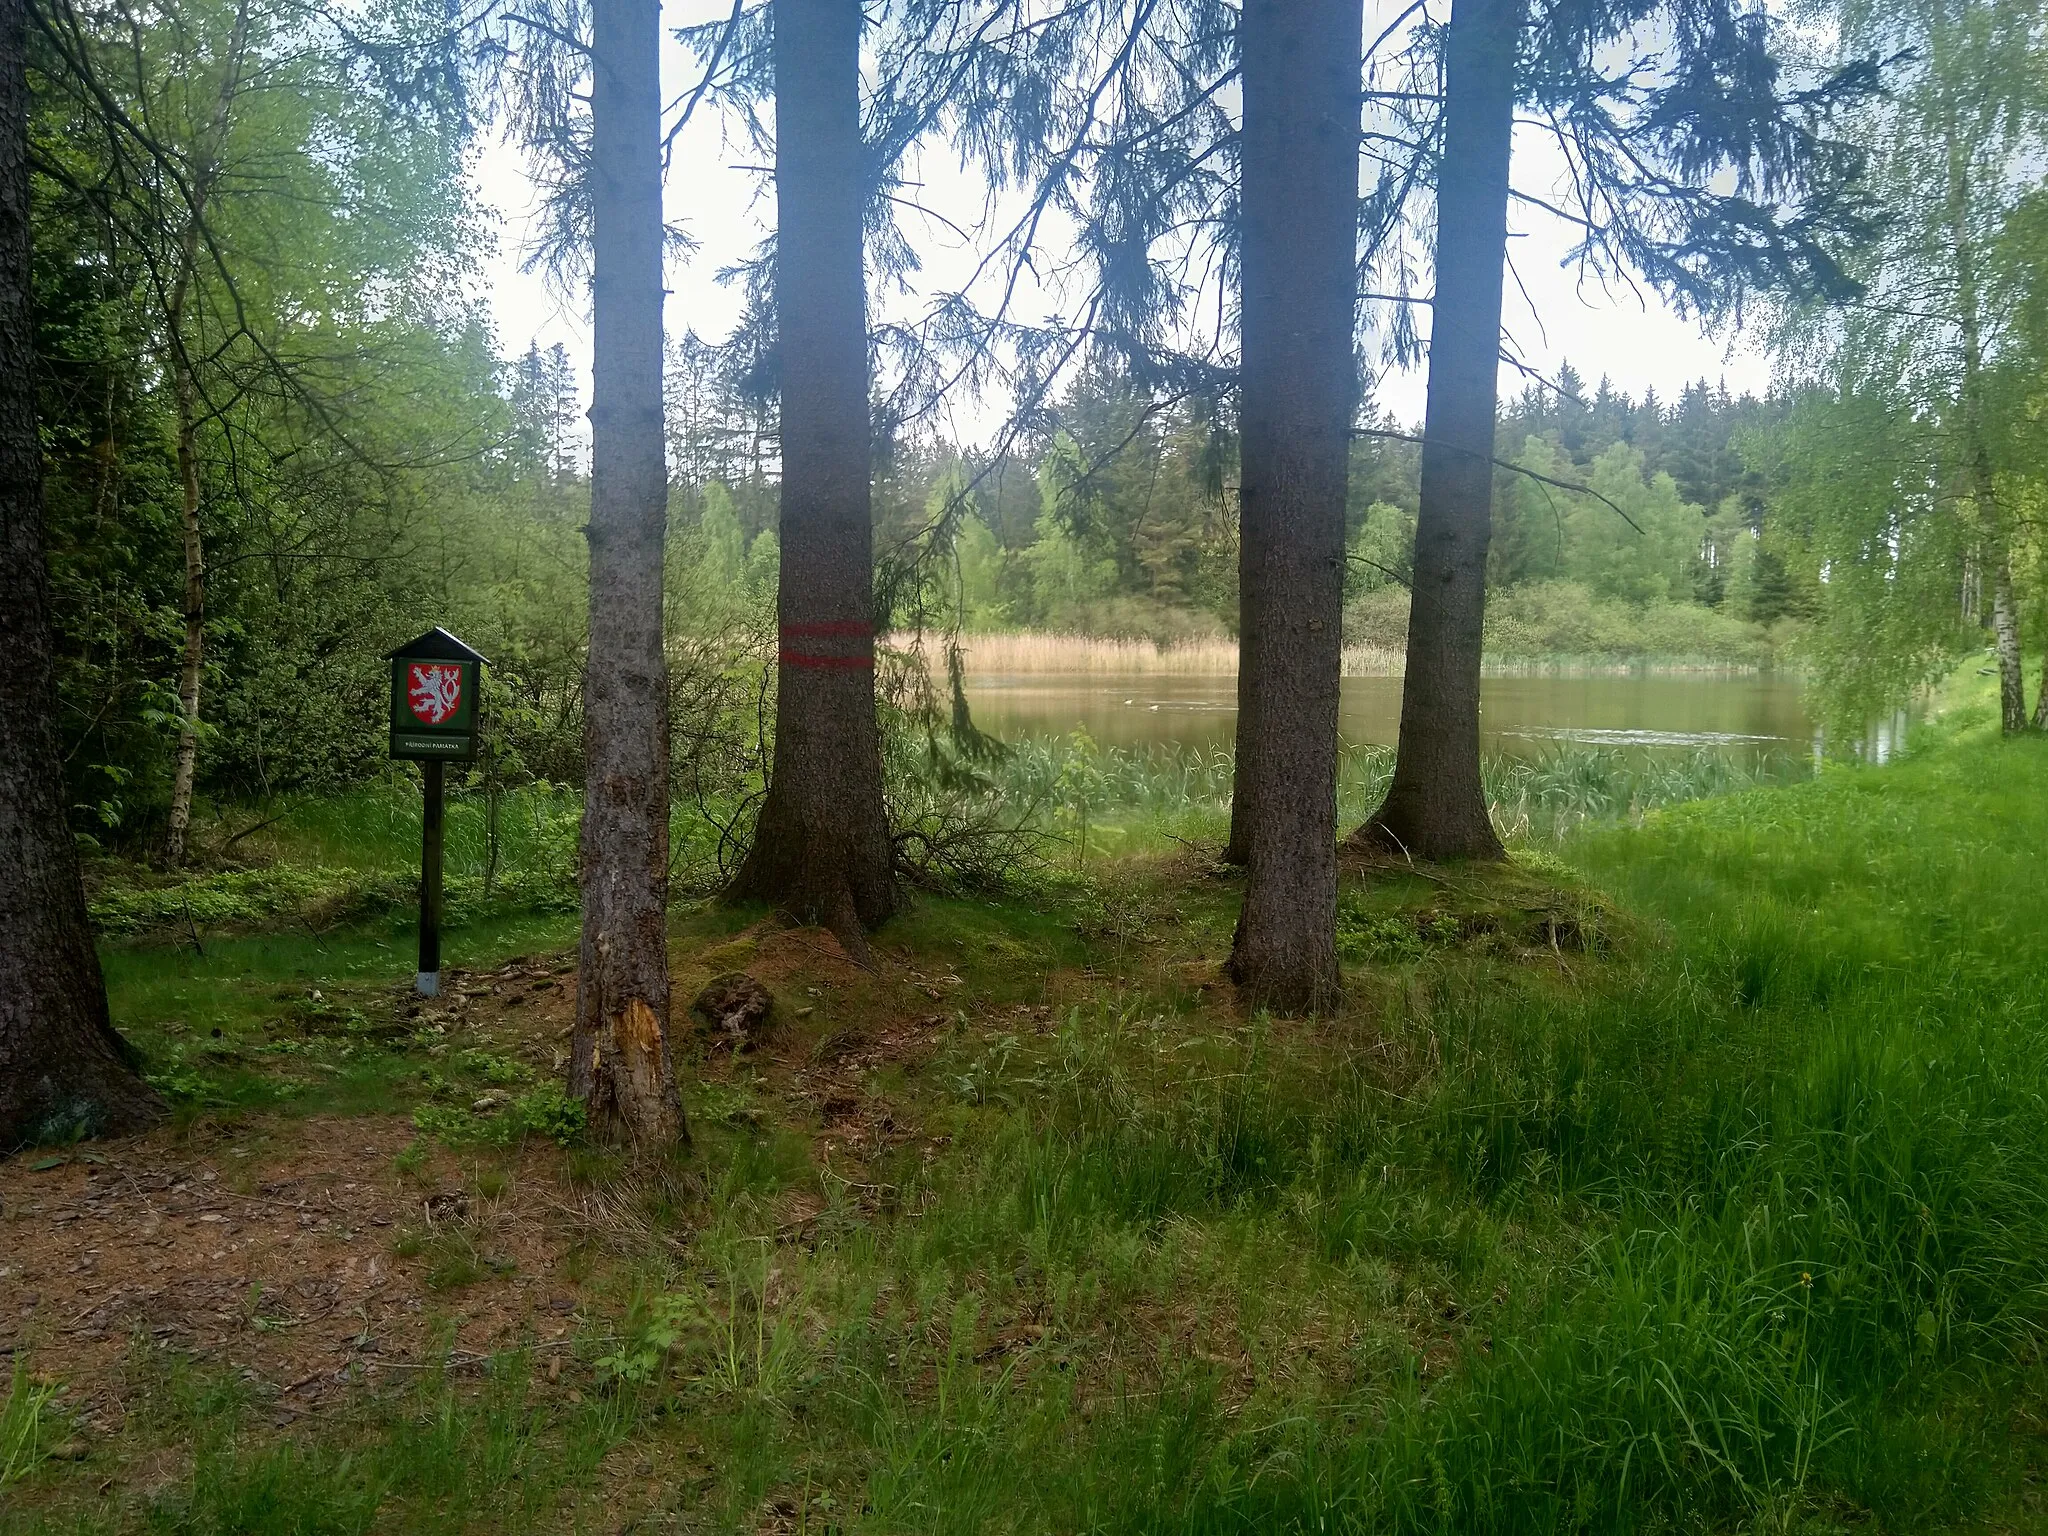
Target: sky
[1631,338]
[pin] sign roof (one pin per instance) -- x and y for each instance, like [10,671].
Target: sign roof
[435,645]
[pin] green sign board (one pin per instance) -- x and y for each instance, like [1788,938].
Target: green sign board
[435,680]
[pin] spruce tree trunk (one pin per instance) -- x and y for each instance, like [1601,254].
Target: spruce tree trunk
[821,849]
[63,1069]
[1299,382]
[1436,806]
[619,1059]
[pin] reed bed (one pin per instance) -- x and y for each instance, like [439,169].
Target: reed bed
[1055,655]
[1030,653]
[1074,655]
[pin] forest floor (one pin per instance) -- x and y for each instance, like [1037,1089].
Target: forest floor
[1691,1177]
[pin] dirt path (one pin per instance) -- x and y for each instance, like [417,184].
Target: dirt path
[280,1252]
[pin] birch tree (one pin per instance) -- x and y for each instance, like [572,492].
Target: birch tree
[1936,344]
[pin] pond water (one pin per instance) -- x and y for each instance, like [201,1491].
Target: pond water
[1519,716]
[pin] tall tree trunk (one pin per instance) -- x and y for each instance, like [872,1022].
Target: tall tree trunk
[821,849]
[185,392]
[192,659]
[1976,447]
[62,1066]
[1300,265]
[619,1060]
[1436,806]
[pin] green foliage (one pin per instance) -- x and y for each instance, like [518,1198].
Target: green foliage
[1861,521]
[1904,480]
[28,1424]
[1363,937]
[285,261]
[1560,623]
[1645,547]
[545,1111]
[236,896]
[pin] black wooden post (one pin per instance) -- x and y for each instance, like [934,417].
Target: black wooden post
[435,683]
[428,982]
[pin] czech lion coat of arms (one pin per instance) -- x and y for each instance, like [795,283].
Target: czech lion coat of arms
[434,690]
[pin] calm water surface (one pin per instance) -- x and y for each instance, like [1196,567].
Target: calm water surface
[1518,716]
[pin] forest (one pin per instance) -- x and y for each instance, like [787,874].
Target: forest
[1005,896]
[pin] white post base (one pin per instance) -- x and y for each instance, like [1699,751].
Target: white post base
[427,983]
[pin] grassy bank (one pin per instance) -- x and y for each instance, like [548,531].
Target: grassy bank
[1694,1181]
[330,863]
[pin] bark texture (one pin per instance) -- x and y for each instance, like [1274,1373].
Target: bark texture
[821,849]
[2005,631]
[1436,805]
[619,1061]
[63,1069]
[1300,211]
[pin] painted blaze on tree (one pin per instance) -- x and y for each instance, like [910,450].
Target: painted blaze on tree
[434,682]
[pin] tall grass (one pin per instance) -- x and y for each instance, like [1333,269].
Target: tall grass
[1539,799]
[1076,655]
[1032,652]
[1742,1228]
[26,1427]
[1752,1237]
[1035,653]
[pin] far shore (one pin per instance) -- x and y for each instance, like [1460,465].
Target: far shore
[1030,653]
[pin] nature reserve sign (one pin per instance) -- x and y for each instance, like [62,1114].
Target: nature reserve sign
[434,684]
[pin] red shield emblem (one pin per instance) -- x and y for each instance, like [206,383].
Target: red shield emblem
[434,690]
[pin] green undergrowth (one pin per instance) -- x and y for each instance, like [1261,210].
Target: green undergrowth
[1120,800]
[318,864]
[1691,1179]
[309,1022]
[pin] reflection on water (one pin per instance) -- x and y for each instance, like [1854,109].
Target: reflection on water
[1518,716]
[1882,738]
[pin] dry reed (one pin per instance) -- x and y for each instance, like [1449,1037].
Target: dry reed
[1054,655]
[1029,653]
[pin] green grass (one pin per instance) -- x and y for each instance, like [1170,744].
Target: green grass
[1728,1215]
[295,1020]
[1134,798]
[353,859]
